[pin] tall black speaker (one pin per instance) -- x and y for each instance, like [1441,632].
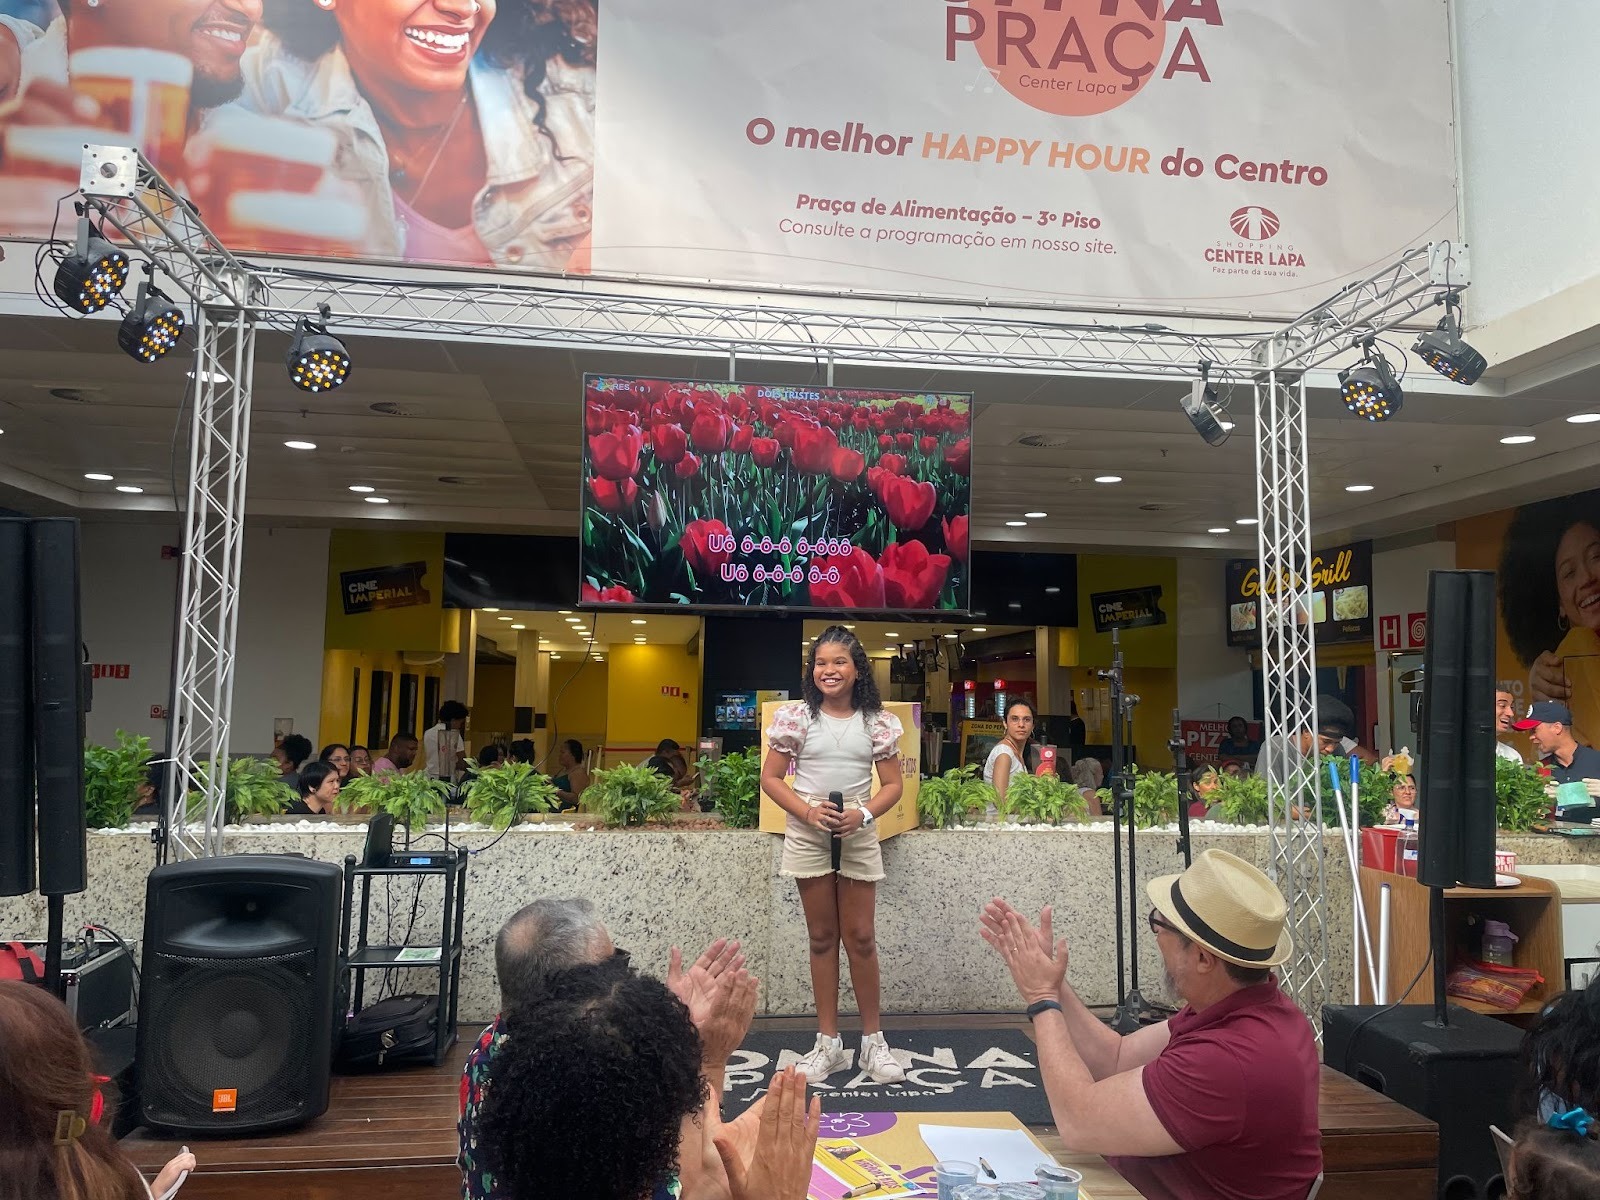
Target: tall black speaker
[16,737]
[1461,1076]
[58,705]
[1457,746]
[236,1004]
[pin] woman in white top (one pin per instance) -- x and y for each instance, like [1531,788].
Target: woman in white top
[1010,754]
[831,740]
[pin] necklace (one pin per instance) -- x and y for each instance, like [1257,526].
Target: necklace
[838,738]
[400,173]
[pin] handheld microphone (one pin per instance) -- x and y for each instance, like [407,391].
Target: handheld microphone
[836,799]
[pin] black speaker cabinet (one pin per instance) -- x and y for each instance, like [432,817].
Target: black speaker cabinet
[1461,1076]
[236,1000]
[17,876]
[58,705]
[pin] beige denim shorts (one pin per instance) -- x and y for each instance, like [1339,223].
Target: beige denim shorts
[808,851]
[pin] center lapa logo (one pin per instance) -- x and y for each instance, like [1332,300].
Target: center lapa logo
[1254,223]
[1078,58]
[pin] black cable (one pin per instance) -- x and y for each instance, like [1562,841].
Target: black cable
[1355,1034]
[126,949]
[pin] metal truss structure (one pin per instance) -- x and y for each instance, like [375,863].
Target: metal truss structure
[121,189]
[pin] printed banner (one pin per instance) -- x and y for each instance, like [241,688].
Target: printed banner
[1131,608]
[1141,152]
[1210,742]
[1341,597]
[376,589]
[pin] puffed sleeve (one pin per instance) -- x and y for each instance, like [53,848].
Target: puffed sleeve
[886,732]
[790,723]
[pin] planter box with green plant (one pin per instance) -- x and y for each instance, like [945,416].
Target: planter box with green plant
[1520,798]
[1042,800]
[500,795]
[251,788]
[1155,798]
[629,795]
[412,799]
[111,779]
[734,784]
[955,798]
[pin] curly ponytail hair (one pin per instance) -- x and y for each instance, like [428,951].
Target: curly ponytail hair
[47,1085]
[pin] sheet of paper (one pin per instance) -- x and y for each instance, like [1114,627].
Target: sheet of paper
[418,954]
[1010,1152]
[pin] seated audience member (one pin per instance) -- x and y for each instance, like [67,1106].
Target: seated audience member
[1402,802]
[291,754]
[550,936]
[1549,725]
[1561,1055]
[444,748]
[1204,781]
[1089,776]
[1557,1160]
[492,755]
[337,756]
[1233,768]
[149,797]
[55,1136]
[523,751]
[319,789]
[1238,743]
[668,760]
[401,754]
[1220,1100]
[1505,720]
[574,777]
[360,760]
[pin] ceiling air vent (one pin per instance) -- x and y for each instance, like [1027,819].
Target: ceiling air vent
[1044,441]
[1156,507]
[388,408]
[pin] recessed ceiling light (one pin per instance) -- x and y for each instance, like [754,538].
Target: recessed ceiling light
[129,489]
[1016,524]
[1227,426]
[638,621]
[949,637]
[555,656]
[1014,604]
[519,627]
[891,635]
[563,612]
[1052,591]
[849,626]
[574,620]
[99,478]
[1219,529]
[1358,487]
[1036,516]
[502,618]
[362,489]
[1108,478]
[1583,418]
[1517,439]
[301,445]
[980,629]
[376,499]
[491,610]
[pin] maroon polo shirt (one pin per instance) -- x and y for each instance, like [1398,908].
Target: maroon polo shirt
[1236,1087]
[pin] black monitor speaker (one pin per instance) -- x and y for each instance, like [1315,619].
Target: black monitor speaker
[1461,1076]
[1456,799]
[16,736]
[58,705]
[236,1002]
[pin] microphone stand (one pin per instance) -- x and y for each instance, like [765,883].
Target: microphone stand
[1130,1002]
[1180,761]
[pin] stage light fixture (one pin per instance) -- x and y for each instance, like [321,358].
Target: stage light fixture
[93,273]
[1443,349]
[318,361]
[1201,407]
[1371,390]
[152,327]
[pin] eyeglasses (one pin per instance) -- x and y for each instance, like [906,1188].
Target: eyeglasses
[1157,924]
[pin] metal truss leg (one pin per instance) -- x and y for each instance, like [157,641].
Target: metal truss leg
[213,542]
[1289,673]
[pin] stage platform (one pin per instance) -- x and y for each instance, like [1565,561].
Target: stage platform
[393,1137]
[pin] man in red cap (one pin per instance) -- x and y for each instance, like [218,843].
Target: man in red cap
[1549,726]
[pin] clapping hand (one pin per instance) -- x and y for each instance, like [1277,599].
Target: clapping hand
[695,987]
[779,1168]
[1037,966]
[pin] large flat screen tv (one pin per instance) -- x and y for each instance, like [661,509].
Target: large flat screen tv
[759,496]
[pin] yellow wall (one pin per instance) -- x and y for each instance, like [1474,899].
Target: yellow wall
[420,627]
[493,701]
[637,714]
[337,668]
[1157,689]
[578,699]
[1152,646]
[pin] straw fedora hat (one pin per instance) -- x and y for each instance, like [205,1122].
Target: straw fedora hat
[1227,906]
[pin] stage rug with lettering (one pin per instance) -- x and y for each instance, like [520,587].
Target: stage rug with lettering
[947,1070]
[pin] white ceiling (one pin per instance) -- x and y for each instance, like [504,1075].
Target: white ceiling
[489,439]
[562,631]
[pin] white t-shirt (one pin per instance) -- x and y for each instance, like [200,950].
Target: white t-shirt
[1504,751]
[1018,767]
[836,757]
[440,745]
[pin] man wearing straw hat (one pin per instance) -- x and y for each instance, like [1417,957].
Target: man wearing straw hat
[1220,1101]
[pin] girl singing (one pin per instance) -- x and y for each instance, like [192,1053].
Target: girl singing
[831,740]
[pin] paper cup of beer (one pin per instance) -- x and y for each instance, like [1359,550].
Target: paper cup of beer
[141,92]
[325,225]
[239,153]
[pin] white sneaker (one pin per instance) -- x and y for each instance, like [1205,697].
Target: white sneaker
[826,1057]
[877,1060]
